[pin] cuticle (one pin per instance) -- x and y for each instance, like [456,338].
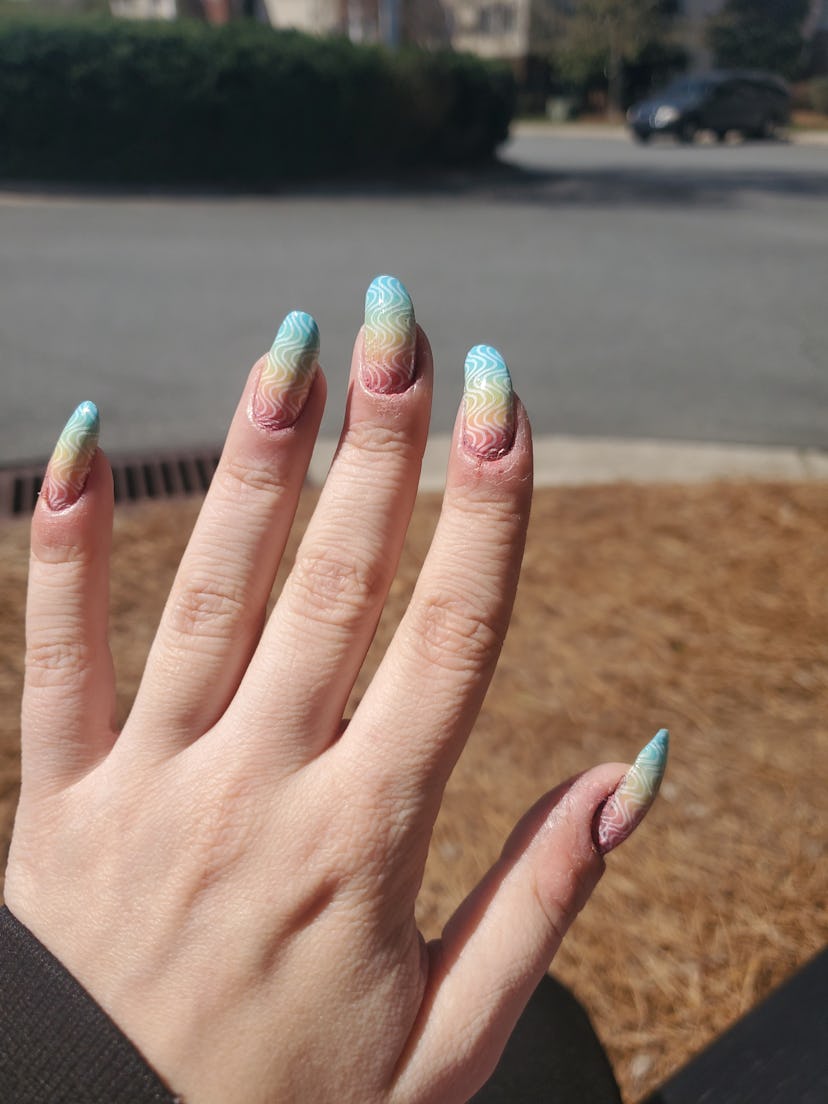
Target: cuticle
[596,817]
[58,509]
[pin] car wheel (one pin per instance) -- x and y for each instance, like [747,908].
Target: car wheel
[642,138]
[721,135]
[687,131]
[764,131]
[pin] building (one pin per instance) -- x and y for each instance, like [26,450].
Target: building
[314,16]
[512,30]
[420,21]
[499,30]
[144,9]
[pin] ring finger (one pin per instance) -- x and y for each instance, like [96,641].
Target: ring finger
[431,683]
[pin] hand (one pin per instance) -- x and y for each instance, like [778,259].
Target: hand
[233,876]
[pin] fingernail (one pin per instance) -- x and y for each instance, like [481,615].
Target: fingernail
[389,339]
[288,372]
[488,404]
[627,806]
[72,459]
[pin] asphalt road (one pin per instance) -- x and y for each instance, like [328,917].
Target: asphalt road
[661,292]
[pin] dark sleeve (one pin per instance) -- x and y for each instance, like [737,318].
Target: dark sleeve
[56,1045]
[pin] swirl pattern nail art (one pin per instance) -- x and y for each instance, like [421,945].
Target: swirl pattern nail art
[287,373]
[72,458]
[389,339]
[628,805]
[488,403]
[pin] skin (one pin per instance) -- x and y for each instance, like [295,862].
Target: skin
[233,876]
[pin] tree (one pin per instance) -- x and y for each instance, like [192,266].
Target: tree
[759,34]
[587,37]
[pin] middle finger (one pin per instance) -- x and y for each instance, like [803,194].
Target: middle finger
[299,680]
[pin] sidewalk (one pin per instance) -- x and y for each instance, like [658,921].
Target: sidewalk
[575,461]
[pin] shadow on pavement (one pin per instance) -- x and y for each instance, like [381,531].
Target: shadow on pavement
[647,185]
[652,188]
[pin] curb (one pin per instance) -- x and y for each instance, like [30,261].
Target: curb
[618,132]
[562,461]
[540,129]
[810,138]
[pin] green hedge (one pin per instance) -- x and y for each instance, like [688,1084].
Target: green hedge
[818,92]
[115,101]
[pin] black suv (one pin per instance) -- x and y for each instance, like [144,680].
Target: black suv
[758,105]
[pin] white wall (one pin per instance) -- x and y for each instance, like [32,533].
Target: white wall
[488,28]
[316,16]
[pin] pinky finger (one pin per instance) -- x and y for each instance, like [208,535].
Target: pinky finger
[69,694]
[499,943]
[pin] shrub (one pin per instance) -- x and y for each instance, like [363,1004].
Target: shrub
[108,101]
[818,89]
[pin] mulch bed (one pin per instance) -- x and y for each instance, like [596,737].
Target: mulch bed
[699,608]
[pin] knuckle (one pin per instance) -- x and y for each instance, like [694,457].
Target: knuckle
[206,609]
[560,899]
[334,588]
[382,834]
[372,442]
[223,831]
[54,662]
[237,477]
[551,907]
[59,553]
[453,633]
[376,855]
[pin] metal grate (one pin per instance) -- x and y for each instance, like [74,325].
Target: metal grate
[148,475]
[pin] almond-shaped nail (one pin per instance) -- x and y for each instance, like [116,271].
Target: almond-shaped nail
[288,372]
[627,806]
[72,459]
[488,404]
[389,340]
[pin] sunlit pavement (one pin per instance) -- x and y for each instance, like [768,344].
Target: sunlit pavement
[656,293]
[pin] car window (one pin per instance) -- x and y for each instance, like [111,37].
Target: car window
[689,87]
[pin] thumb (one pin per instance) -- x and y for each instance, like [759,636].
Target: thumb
[496,947]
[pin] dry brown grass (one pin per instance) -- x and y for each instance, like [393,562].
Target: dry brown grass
[701,608]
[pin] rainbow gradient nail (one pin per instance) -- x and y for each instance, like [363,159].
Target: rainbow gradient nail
[389,339]
[72,459]
[627,806]
[288,372]
[488,404]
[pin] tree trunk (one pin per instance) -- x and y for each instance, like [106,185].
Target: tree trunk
[613,74]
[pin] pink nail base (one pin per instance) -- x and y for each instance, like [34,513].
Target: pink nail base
[271,415]
[377,380]
[490,451]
